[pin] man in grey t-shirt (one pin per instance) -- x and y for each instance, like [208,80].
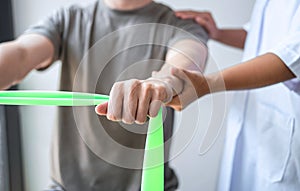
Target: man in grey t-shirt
[105,42]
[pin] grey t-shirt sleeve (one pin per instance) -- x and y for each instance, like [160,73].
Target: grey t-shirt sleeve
[188,29]
[52,27]
[194,29]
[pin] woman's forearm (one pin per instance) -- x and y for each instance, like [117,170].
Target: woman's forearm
[261,71]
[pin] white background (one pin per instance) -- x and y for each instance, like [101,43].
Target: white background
[195,171]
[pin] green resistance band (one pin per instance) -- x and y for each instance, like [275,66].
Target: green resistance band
[153,166]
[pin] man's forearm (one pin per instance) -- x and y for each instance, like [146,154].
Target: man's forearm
[10,57]
[259,72]
[19,57]
[186,54]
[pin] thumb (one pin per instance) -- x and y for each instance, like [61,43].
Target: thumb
[175,104]
[101,109]
[180,73]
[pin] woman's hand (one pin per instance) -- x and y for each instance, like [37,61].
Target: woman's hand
[205,19]
[195,86]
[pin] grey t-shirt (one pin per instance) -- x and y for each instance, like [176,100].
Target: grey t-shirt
[99,46]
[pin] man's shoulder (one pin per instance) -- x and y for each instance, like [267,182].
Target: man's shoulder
[168,14]
[80,9]
[164,6]
[185,28]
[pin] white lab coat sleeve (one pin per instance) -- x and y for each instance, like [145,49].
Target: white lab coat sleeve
[289,52]
[289,48]
[247,26]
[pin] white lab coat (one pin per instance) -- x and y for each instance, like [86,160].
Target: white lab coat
[262,150]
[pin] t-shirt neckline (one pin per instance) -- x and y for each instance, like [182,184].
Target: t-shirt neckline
[144,9]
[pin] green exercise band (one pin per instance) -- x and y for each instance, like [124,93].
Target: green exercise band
[153,166]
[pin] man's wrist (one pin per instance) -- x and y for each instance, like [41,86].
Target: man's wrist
[173,84]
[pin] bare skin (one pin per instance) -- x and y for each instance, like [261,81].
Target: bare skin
[19,57]
[126,5]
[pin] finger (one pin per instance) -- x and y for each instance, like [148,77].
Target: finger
[201,20]
[180,73]
[143,105]
[187,13]
[162,94]
[187,16]
[180,13]
[205,15]
[210,22]
[204,23]
[115,103]
[192,15]
[130,104]
[154,107]
[101,109]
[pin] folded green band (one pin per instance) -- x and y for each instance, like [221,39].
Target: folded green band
[153,166]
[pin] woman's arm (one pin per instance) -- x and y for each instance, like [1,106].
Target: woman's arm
[259,72]
[231,37]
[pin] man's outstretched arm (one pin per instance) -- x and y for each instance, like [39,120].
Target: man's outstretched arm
[19,57]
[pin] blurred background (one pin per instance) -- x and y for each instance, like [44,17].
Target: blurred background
[196,171]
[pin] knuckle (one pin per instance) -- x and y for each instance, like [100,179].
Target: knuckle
[133,87]
[118,85]
[134,82]
[161,93]
[161,88]
[147,88]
